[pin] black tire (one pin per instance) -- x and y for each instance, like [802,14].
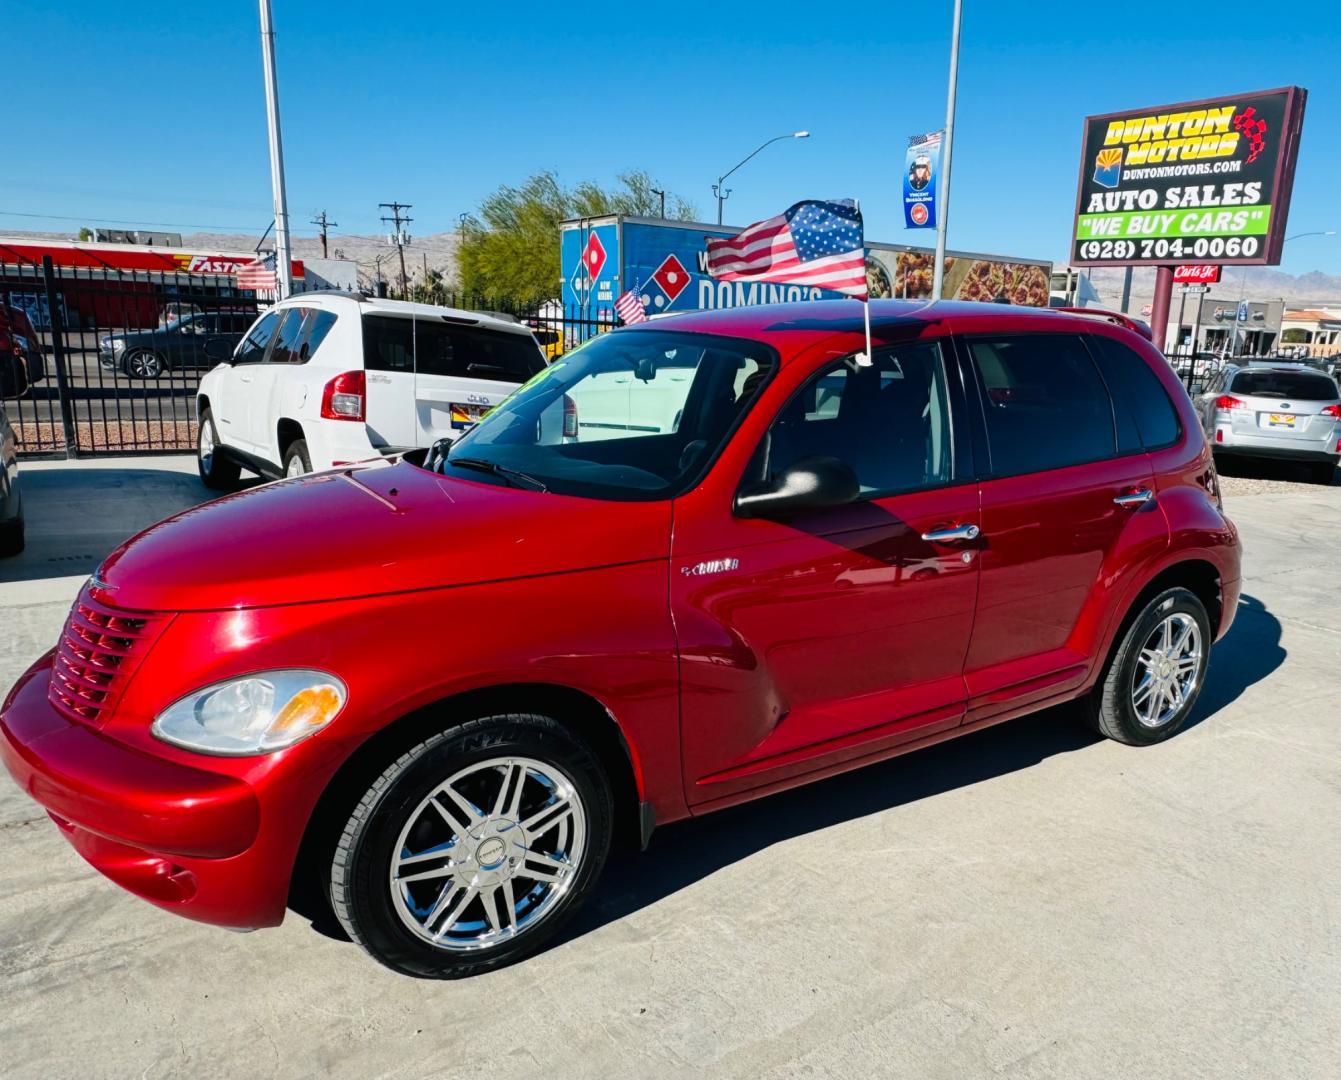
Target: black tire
[219,472]
[360,890]
[151,365]
[1324,473]
[1109,708]
[11,538]
[297,451]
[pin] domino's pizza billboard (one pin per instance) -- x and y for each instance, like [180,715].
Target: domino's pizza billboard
[666,261]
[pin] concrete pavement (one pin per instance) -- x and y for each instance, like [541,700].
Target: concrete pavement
[1025,902]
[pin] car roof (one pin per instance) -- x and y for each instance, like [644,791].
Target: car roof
[793,327]
[372,305]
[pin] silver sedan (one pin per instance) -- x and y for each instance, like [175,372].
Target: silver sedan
[1274,410]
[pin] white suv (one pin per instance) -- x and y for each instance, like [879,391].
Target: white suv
[326,379]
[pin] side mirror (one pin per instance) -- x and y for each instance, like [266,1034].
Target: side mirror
[810,484]
[218,349]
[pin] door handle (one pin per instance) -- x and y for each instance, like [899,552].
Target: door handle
[1134,499]
[955,532]
[244,378]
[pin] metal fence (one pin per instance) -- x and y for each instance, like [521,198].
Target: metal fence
[116,356]
[1196,370]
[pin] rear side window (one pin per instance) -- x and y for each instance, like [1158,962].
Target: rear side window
[469,352]
[1146,417]
[436,348]
[288,341]
[1046,406]
[388,343]
[319,324]
[1299,385]
[252,349]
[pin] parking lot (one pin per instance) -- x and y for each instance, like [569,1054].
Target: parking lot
[1026,901]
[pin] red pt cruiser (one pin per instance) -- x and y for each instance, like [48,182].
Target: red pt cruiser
[691,563]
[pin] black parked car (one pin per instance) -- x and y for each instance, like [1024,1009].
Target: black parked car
[22,361]
[192,341]
[11,504]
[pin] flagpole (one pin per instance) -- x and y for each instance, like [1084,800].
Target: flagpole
[865,359]
[943,211]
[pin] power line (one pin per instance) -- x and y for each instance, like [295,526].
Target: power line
[400,237]
[84,219]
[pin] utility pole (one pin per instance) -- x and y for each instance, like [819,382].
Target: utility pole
[400,238]
[943,213]
[321,222]
[283,258]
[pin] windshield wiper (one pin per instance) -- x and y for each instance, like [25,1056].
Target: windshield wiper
[497,470]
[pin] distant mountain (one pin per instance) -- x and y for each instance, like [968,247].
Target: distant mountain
[1314,289]
[438,252]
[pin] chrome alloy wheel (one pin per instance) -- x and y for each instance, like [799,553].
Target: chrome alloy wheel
[1167,670]
[145,365]
[295,466]
[488,854]
[206,447]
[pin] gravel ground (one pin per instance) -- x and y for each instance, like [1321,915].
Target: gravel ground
[1266,478]
[113,435]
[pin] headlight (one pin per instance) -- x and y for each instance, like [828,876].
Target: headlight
[253,714]
[118,344]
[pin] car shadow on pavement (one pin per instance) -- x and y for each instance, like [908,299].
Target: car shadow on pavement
[691,850]
[1246,655]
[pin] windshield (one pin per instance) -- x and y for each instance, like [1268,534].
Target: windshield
[1300,385]
[630,415]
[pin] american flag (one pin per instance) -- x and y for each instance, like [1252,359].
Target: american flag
[922,140]
[630,308]
[257,274]
[813,243]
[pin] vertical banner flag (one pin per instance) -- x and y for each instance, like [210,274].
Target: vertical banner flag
[811,243]
[920,180]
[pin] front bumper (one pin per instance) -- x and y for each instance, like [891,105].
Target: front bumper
[196,842]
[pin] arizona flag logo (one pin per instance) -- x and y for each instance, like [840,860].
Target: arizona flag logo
[1108,167]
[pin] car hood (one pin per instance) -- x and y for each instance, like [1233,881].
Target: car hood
[370,531]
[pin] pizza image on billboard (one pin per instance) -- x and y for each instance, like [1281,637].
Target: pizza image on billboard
[966,278]
[1199,181]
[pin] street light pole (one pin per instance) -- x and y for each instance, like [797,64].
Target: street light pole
[721,192]
[283,261]
[942,217]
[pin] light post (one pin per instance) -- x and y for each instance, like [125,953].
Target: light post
[721,192]
[943,212]
[283,259]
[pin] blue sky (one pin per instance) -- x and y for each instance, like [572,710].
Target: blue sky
[149,112]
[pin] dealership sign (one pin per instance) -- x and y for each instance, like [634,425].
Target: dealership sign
[1204,180]
[1200,274]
